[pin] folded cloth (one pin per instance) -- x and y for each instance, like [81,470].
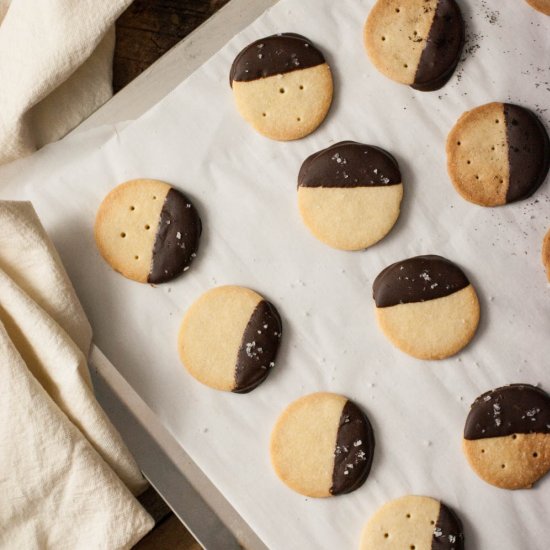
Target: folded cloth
[28,256]
[55,68]
[66,477]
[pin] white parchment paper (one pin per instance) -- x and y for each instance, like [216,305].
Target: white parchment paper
[245,188]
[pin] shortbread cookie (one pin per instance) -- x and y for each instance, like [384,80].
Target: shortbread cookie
[540,5]
[148,231]
[229,339]
[497,153]
[282,86]
[417,522]
[546,254]
[426,306]
[417,42]
[322,445]
[349,194]
[507,436]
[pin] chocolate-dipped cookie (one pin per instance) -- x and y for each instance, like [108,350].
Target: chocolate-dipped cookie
[282,86]
[417,522]
[417,42]
[546,254]
[349,194]
[507,436]
[229,339]
[426,306]
[322,445]
[148,231]
[540,5]
[498,153]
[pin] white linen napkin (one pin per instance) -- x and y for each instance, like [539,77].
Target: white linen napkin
[66,477]
[55,68]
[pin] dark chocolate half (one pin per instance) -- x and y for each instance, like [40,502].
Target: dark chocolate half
[258,351]
[273,55]
[177,238]
[354,450]
[528,152]
[443,48]
[513,409]
[349,164]
[416,280]
[448,533]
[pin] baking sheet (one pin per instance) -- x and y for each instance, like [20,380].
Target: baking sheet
[244,186]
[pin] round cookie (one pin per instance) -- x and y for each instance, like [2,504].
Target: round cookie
[417,42]
[282,86]
[322,445]
[349,194]
[426,306]
[417,522]
[540,5]
[497,153]
[507,436]
[546,253]
[229,339]
[148,231]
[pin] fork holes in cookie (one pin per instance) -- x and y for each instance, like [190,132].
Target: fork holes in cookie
[408,516]
[281,90]
[482,451]
[123,235]
[264,114]
[147,227]
[503,466]
[468,162]
[513,436]
[535,455]
[412,547]
[301,86]
[136,257]
[299,119]
[386,535]
[432,522]
[406,66]
[458,143]
[132,208]
[383,39]
[397,10]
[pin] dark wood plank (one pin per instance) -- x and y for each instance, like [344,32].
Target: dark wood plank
[152,502]
[169,535]
[149,28]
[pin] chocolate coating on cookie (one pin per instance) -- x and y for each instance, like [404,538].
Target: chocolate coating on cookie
[528,152]
[177,238]
[416,280]
[448,533]
[273,55]
[259,347]
[349,164]
[354,450]
[443,48]
[513,409]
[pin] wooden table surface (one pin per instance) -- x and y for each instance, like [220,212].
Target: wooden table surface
[145,32]
[149,28]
